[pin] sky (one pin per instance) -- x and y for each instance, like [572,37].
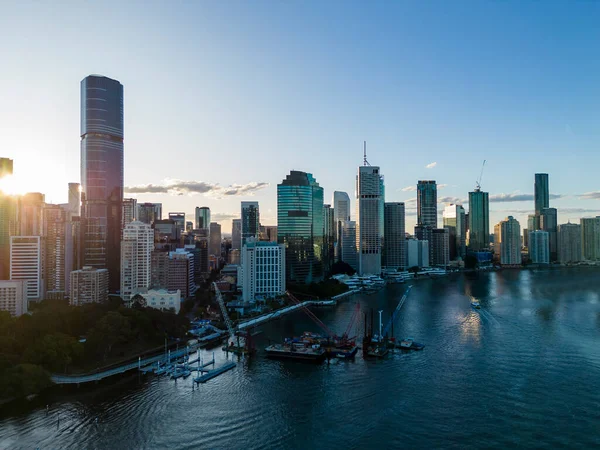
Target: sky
[223,99]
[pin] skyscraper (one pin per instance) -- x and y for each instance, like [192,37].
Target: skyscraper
[250,220]
[542,192]
[129,210]
[341,212]
[427,203]
[507,241]
[369,219]
[30,214]
[136,249]
[102,173]
[179,219]
[88,285]
[26,264]
[590,238]
[75,199]
[569,243]
[479,220]
[329,229]
[236,234]
[215,239]
[455,222]
[440,247]
[57,262]
[300,226]
[149,212]
[202,217]
[549,223]
[539,247]
[533,222]
[8,211]
[394,241]
[347,243]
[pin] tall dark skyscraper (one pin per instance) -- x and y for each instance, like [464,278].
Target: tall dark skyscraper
[102,173]
[479,220]
[427,204]
[542,193]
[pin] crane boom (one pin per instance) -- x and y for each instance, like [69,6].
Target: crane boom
[400,303]
[311,315]
[478,183]
[226,318]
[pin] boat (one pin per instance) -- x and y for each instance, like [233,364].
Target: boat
[296,350]
[475,304]
[377,351]
[181,372]
[409,344]
[345,351]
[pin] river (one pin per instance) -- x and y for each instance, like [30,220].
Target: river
[524,370]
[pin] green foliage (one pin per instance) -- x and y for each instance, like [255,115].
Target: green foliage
[324,289]
[413,269]
[49,340]
[471,261]
[342,267]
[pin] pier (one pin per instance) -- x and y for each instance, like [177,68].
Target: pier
[215,372]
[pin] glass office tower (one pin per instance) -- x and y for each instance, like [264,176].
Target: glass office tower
[102,173]
[479,221]
[300,226]
[542,193]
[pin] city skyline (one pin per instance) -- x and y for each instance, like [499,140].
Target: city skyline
[419,127]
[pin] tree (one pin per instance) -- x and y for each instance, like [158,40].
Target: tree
[471,261]
[342,267]
[413,269]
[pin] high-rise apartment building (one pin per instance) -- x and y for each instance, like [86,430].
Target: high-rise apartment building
[370,199]
[542,193]
[507,241]
[539,247]
[149,212]
[479,221]
[263,269]
[8,214]
[74,199]
[26,264]
[250,220]
[102,173]
[13,297]
[215,239]
[236,234]
[136,250]
[202,217]
[439,247]
[569,243]
[57,250]
[590,238]
[427,203]
[181,272]
[455,222]
[300,226]
[533,222]
[394,241]
[179,219]
[129,210]
[549,223]
[347,243]
[30,214]
[89,285]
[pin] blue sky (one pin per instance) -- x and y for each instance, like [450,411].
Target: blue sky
[221,94]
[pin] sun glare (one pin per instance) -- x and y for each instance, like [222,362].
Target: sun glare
[12,185]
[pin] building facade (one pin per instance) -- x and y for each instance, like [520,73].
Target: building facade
[347,243]
[250,217]
[57,250]
[236,234]
[263,269]
[26,264]
[179,219]
[149,212]
[455,222]
[439,247]
[13,297]
[590,238]
[479,221]
[394,232]
[129,211]
[549,223]
[300,226]
[163,300]
[102,173]
[539,247]
[328,238]
[370,199]
[180,275]
[215,239]
[569,243]
[542,193]
[417,253]
[202,217]
[136,250]
[88,285]
[427,203]
[507,241]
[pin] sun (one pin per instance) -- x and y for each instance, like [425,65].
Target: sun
[13,185]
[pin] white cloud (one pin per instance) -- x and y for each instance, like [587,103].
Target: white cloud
[589,195]
[431,165]
[182,187]
[409,188]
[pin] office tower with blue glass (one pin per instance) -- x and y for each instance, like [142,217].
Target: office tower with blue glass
[300,226]
[102,173]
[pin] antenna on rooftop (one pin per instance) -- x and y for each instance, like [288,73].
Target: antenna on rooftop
[365,162]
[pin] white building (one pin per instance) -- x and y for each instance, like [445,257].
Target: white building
[369,219]
[163,299]
[89,285]
[539,247]
[136,250]
[13,297]
[507,241]
[263,269]
[417,253]
[26,264]
[569,243]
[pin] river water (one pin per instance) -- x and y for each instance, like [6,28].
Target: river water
[522,371]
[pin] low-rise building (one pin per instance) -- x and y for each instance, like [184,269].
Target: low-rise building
[163,299]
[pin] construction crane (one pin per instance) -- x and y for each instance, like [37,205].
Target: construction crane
[353,319]
[395,313]
[478,182]
[241,348]
[309,313]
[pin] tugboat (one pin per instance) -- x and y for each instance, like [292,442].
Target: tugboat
[409,344]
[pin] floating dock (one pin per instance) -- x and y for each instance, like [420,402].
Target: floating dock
[213,373]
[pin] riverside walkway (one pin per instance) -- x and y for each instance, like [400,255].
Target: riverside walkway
[88,378]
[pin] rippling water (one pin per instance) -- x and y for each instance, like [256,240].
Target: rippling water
[522,371]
